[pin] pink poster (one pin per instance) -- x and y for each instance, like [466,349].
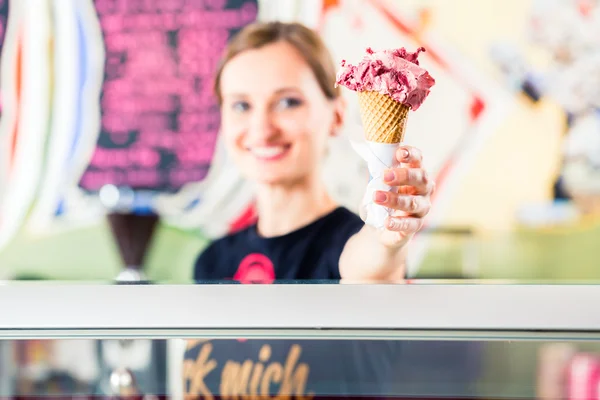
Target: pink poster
[159,117]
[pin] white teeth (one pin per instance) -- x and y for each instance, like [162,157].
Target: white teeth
[267,152]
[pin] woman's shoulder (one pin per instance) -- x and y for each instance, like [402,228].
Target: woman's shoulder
[342,216]
[345,213]
[338,223]
[338,227]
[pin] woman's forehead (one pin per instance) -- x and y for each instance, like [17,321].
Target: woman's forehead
[267,69]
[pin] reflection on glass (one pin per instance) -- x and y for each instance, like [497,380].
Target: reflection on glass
[303,369]
[320,368]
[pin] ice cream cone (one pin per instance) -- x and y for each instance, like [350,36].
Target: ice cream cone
[389,84]
[383,118]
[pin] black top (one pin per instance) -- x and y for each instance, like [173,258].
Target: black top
[311,252]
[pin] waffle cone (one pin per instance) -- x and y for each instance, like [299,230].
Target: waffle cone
[383,118]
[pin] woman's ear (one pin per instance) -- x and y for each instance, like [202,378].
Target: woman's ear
[339,115]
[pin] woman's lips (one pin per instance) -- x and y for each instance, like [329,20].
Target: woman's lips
[269,153]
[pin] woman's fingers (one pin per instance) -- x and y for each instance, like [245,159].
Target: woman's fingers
[415,177]
[410,155]
[414,205]
[407,225]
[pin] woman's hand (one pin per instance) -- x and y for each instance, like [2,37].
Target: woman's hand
[380,255]
[412,201]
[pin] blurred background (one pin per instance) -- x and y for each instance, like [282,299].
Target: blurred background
[110,161]
[106,110]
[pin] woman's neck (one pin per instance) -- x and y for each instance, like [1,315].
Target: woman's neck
[285,208]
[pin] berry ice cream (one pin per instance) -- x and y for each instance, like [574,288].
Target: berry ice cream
[395,73]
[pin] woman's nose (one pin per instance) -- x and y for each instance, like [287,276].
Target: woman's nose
[262,126]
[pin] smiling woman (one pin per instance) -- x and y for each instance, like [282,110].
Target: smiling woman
[280,106]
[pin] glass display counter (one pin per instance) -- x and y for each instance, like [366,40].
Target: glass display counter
[451,340]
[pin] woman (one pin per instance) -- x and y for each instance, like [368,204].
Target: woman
[279,108]
[279,103]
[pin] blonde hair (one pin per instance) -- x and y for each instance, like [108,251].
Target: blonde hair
[306,41]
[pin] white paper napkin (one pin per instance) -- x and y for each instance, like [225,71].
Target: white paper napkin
[379,157]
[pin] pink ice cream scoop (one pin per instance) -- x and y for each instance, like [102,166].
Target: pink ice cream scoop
[392,72]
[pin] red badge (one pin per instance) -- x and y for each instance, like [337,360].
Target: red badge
[255,268]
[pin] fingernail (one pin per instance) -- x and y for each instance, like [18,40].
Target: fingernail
[405,154]
[391,223]
[389,176]
[380,197]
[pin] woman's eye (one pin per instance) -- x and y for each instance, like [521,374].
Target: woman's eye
[240,106]
[289,102]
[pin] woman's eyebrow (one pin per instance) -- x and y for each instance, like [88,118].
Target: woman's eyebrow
[237,95]
[288,89]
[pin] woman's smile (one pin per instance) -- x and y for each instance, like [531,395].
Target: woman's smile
[269,153]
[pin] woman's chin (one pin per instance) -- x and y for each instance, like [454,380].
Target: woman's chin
[271,180]
[275,179]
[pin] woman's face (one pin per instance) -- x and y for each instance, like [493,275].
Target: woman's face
[275,118]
